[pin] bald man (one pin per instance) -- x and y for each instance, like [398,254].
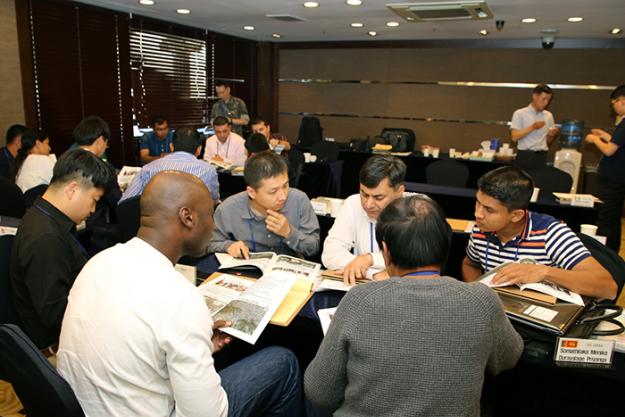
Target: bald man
[137,338]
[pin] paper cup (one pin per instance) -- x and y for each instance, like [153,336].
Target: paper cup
[306,156]
[435,152]
[588,229]
[535,195]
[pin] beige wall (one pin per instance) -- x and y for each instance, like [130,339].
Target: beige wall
[11,100]
[562,66]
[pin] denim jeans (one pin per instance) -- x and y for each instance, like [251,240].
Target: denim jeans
[267,383]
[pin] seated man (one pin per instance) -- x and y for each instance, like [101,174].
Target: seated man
[46,255]
[8,153]
[267,216]
[137,338]
[381,181]
[186,147]
[256,143]
[505,231]
[418,343]
[155,144]
[225,145]
[260,125]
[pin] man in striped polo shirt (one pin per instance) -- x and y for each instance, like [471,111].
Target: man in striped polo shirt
[505,231]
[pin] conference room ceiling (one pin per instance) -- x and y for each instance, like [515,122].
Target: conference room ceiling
[331,20]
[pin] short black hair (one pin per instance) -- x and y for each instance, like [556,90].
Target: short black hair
[263,165]
[29,140]
[222,84]
[256,143]
[158,120]
[509,185]
[618,92]
[415,231]
[14,131]
[378,167]
[82,166]
[258,121]
[186,139]
[221,121]
[89,129]
[542,88]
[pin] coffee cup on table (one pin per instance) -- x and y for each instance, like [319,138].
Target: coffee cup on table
[435,152]
[588,229]
[306,156]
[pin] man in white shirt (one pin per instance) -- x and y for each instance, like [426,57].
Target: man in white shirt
[225,145]
[533,130]
[137,338]
[381,181]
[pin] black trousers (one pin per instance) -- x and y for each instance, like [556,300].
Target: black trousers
[530,160]
[609,213]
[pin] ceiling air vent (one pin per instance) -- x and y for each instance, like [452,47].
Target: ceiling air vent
[285,17]
[442,10]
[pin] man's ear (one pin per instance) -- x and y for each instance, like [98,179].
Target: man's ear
[186,217]
[401,188]
[197,150]
[386,255]
[69,190]
[518,215]
[171,148]
[251,192]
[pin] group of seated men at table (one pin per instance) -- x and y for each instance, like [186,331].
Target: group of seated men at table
[133,337]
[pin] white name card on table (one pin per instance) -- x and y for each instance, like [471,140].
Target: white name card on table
[7,230]
[579,200]
[188,271]
[597,352]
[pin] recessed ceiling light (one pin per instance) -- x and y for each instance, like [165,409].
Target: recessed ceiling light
[311,4]
[528,20]
[483,32]
[248,27]
[183,11]
[410,19]
[276,35]
[392,24]
[146,2]
[575,19]
[356,25]
[372,33]
[354,2]
[615,31]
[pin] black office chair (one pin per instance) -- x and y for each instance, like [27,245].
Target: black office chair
[310,131]
[402,139]
[40,388]
[447,172]
[31,195]
[609,259]
[550,179]
[325,151]
[8,313]
[296,167]
[129,216]
[12,201]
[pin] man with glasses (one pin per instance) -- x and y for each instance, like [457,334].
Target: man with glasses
[156,144]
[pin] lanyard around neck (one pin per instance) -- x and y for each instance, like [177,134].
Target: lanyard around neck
[80,246]
[422,273]
[219,146]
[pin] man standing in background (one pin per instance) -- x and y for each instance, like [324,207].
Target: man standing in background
[230,107]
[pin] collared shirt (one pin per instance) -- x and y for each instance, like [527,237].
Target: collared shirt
[352,230]
[156,145]
[136,339]
[232,150]
[6,162]
[234,108]
[45,260]
[536,140]
[611,167]
[235,220]
[544,239]
[177,161]
[35,170]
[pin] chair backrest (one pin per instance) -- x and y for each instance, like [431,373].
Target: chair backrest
[550,179]
[12,201]
[609,259]
[402,139]
[129,216]
[8,313]
[296,167]
[447,172]
[31,195]
[40,388]
[325,151]
[310,131]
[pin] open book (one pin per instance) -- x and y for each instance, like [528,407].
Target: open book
[248,304]
[221,164]
[543,291]
[126,175]
[268,262]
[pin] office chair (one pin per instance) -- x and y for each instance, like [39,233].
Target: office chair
[325,151]
[609,259]
[550,179]
[296,167]
[32,194]
[8,313]
[310,132]
[447,172]
[40,388]
[402,139]
[129,215]
[12,201]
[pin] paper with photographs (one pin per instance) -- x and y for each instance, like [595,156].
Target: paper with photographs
[270,262]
